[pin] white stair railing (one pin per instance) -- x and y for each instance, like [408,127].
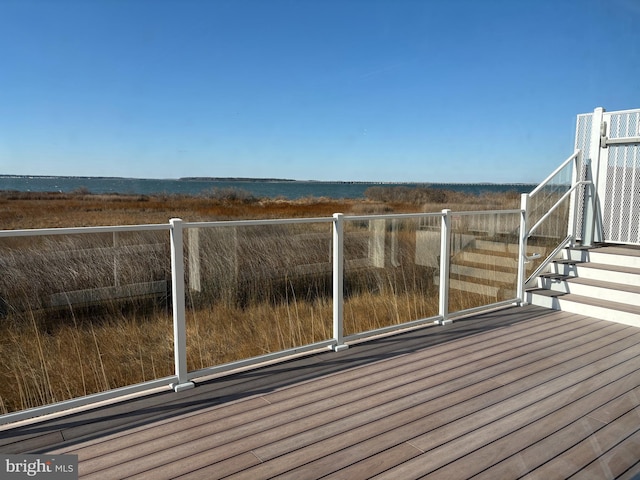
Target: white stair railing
[527,231]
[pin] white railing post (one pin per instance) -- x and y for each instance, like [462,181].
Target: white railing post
[177,299]
[522,249]
[573,203]
[591,216]
[445,261]
[338,282]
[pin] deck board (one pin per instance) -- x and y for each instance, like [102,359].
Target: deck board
[509,393]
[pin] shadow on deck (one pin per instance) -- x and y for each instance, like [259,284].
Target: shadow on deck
[504,394]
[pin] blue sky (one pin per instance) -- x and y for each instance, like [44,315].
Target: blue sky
[376,90]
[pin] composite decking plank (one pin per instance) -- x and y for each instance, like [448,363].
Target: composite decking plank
[592,451]
[617,423]
[438,440]
[445,397]
[451,397]
[241,461]
[32,442]
[176,438]
[395,429]
[489,462]
[205,473]
[324,431]
[242,443]
[221,416]
[536,438]
[375,464]
[204,451]
[470,438]
[633,472]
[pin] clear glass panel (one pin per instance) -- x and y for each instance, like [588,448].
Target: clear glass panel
[548,236]
[484,259]
[554,229]
[82,314]
[545,199]
[253,290]
[391,272]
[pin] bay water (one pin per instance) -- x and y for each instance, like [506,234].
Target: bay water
[267,188]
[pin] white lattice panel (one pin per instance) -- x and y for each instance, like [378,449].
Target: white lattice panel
[621,202]
[621,212]
[583,138]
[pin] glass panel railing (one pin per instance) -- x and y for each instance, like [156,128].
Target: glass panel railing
[82,314]
[256,289]
[551,232]
[543,199]
[391,271]
[484,258]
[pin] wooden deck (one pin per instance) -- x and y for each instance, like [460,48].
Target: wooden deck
[518,392]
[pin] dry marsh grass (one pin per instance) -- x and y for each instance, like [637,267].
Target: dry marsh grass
[258,290]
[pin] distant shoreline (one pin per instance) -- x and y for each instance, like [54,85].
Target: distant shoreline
[261,180]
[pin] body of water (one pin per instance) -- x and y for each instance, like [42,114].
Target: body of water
[259,188]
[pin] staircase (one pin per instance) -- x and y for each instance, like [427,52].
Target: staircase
[601,282]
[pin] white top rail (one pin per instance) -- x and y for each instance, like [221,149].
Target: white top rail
[485,212]
[82,230]
[555,172]
[249,223]
[391,216]
[285,221]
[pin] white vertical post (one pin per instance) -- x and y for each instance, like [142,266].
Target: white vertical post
[338,282]
[177,297]
[573,204]
[592,222]
[445,261]
[522,249]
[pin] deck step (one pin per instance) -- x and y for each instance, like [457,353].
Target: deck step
[587,287]
[603,283]
[602,309]
[620,256]
[598,271]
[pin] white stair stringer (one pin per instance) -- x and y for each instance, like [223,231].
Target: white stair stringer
[602,283]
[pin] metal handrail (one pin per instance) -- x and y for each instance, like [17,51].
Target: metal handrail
[554,173]
[556,205]
[549,259]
